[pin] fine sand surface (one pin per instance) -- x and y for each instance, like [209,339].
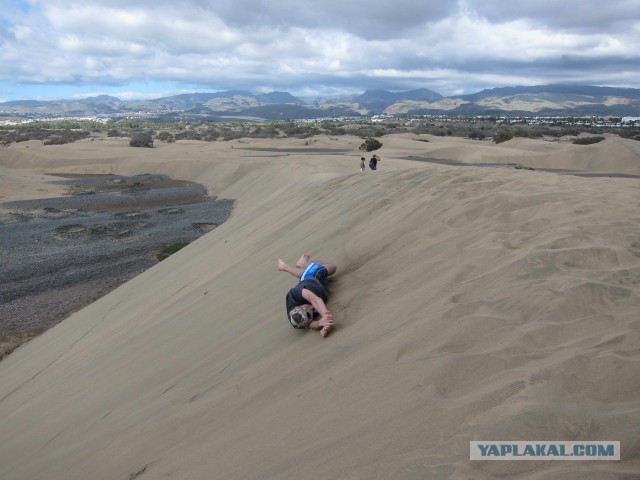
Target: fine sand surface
[471,303]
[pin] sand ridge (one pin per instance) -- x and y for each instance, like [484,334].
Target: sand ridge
[471,303]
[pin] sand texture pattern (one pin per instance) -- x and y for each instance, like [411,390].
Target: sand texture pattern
[471,303]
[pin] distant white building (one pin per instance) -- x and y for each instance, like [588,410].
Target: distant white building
[630,120]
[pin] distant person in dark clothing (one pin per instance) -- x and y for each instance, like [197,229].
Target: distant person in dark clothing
[373,163]
[308,298]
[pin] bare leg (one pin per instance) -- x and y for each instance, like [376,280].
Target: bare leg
[305,261]
[295,271]
[302,265]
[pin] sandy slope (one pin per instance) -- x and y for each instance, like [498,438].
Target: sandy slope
[472,304]
[613,155]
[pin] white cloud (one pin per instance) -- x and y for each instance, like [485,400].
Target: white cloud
[328,46]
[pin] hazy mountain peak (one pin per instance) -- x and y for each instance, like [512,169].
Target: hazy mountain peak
[276,105]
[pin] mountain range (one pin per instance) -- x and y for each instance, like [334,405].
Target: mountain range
[560,100]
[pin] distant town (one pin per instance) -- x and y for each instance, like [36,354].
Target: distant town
[587,121]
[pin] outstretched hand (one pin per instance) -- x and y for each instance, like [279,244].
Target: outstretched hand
[326,322]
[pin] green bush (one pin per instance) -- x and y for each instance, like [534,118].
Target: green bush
[49,136]
[188,135]
[503,136]
[587,140]
[66,136]
[165,137]
[371,144]
[141,139]
[170,250]
[211,136]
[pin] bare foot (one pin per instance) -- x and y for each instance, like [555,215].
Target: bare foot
[281,265]
[304,261]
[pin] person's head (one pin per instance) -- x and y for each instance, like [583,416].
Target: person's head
[301,316]
[362,158]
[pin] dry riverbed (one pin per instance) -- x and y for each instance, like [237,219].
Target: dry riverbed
[60,254]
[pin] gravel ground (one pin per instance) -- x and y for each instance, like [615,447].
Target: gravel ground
[60,254]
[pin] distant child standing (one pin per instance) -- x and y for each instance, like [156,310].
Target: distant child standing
[362,164]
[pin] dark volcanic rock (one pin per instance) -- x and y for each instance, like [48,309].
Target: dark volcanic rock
[60,254]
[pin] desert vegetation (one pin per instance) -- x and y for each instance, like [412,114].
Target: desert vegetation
[588,140]
[142,139]
[49,134]
[503,136]
[371,144]
[143,134]
[170,250]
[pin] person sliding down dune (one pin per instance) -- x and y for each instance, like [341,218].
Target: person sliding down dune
[308,298]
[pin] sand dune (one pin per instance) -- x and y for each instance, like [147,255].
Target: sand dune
[471,304]
[614,155]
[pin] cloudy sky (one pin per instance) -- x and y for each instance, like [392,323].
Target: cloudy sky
[149,48]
